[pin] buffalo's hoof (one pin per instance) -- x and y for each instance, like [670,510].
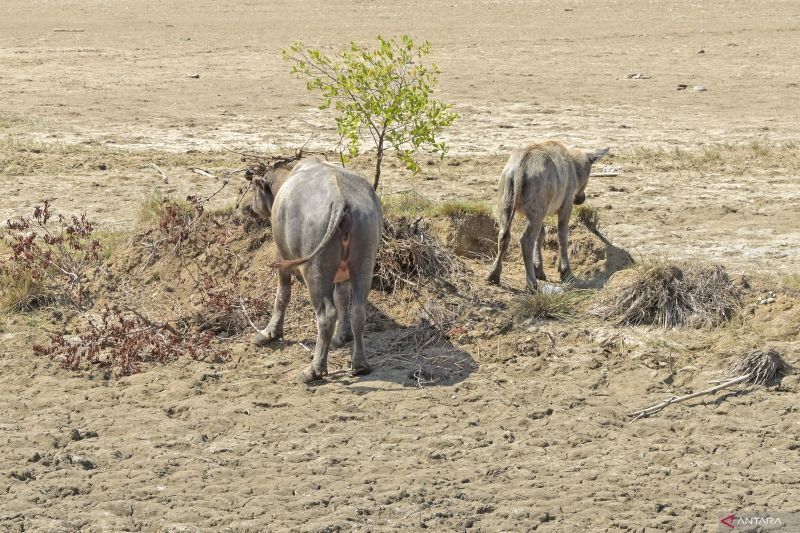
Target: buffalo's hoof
[540,275]
[262,340]
[361,369]
[493,278]
[340,340]
[309,376]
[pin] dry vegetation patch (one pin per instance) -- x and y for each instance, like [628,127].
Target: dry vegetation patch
[669,295]
[729,157]
[549,303]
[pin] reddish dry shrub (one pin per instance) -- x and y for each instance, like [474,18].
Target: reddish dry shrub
[126,341]
[227,308]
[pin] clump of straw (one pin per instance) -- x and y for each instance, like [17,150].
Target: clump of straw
[760,367]
[670,295]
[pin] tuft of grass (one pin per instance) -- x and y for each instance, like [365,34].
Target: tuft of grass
[19,291]
[110,241]
[406,204]
[669,295]
[547,304]
[588,216]
[791,281]
[154,208]
[462,208]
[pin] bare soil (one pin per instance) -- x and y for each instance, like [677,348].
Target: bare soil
[516,425]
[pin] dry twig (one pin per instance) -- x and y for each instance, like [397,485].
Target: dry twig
[755,368]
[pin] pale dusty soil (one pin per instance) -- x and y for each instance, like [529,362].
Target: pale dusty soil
[530,431]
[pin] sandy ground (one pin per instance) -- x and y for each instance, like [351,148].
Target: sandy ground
[533,434]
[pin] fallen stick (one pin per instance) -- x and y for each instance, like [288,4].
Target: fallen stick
[247,316]
[163,176]
[756,368]
[202,172]
[643,413]
[606,174]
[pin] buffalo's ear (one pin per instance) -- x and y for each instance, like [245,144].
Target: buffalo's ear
[597,155]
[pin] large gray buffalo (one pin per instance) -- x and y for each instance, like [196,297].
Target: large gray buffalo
[327,224]
[537,181]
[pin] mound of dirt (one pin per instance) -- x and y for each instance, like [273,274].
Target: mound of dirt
[473,236]
[592,257]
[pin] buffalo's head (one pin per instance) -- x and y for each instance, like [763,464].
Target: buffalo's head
[584,170]
[265,181]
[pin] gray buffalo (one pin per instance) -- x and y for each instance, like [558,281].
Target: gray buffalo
[537,181]
[327,224]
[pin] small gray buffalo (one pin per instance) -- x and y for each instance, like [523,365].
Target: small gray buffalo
[537,181]
[327,224]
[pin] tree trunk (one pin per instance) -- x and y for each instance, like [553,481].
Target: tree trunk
[378,161]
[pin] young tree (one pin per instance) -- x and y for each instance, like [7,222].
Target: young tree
[382,94]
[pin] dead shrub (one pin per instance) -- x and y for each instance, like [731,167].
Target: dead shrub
[125,341]
[670,295]
[227,309]
[48,261]
[409,255]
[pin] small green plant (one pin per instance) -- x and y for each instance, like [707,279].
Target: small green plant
[382,94]
[547,304]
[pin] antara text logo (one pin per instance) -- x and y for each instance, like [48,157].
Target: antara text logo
[734,521]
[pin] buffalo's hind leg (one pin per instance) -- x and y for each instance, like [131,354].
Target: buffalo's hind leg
[274,329]
[344,332]
[563,235]
[528,243]
[361,285]
[538,258]
[503,238]
[320,290]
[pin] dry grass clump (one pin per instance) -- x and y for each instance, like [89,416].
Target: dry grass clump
[669,295]
[425,350]
[588,216]
[791,281]
[547,304]
[409,255]
[158,206]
